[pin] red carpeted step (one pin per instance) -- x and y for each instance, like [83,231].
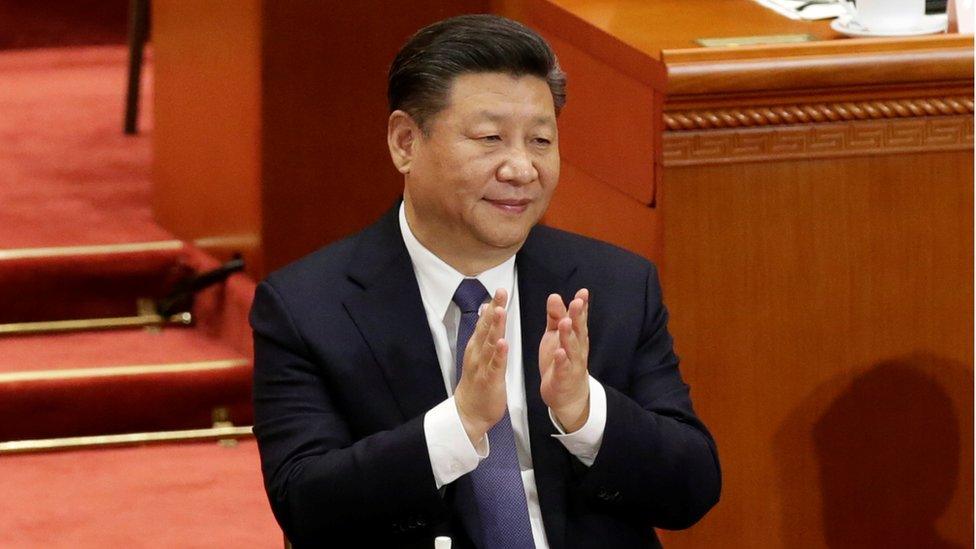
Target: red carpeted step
[106,280]
[116,381]
[167,495]
[119,381]
[87,281]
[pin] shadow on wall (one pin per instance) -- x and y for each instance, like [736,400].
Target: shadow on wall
[883,459]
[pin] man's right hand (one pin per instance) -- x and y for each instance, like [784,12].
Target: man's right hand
[480,395]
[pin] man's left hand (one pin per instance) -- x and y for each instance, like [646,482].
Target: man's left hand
[563,354]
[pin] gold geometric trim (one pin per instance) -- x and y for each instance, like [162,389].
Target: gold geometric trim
[115,371]
[101,441]
[818,140]
[813,113]
[97,249]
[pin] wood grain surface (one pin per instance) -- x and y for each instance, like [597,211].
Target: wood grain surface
[814,205]
[207,123]
[823,313]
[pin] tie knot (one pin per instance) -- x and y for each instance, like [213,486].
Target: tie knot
[470,295]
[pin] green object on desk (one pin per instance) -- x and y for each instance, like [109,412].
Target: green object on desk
[754,40]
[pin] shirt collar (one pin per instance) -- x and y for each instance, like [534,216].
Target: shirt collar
[438,281]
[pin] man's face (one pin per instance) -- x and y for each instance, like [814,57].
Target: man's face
[484,174]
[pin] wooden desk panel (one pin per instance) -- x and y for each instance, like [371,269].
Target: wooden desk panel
[206,135]
[820,304]
[619,219]
[607,137]
[814,210]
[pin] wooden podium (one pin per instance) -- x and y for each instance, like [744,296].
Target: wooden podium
[811,207]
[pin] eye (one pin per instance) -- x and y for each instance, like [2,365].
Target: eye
[490,138]
[542,141]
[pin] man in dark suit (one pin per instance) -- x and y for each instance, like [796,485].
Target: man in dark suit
[426,376]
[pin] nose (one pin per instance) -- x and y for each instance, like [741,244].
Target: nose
[517,167]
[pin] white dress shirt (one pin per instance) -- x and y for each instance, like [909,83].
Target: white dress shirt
[451,452]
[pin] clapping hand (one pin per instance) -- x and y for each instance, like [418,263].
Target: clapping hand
[480,396]
[563,355]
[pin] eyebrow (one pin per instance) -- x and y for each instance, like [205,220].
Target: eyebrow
[492,116]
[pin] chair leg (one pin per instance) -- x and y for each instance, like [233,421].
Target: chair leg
[138,29]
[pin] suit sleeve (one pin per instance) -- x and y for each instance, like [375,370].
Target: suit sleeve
[321,483]
[657,459]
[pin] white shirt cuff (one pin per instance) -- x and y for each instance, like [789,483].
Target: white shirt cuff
[450,450]
[585,443]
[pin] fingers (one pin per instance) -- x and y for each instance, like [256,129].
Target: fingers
[483,347]
[489,326]
[573,329]
[482,328]
[555,310]
[499,359]
[501,297]
[560,360]
[579,310]
[563,354]
[560,367]
[498,317]
[490,330]
[555,367]
[569,326]
[583,294]
[569,343]
[497,329]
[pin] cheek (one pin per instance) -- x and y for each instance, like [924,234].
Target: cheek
[475,177]
[549,174]
[554,174]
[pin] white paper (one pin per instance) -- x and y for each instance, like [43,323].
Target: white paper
[812,12]
[964,15]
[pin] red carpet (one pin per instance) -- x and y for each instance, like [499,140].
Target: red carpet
[69,178]
[169,495]
[76,180]
[68,175]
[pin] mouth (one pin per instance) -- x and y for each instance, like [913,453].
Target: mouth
[511,206]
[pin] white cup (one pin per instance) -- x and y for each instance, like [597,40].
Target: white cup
[889,15]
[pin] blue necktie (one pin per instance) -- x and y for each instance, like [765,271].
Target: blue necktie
[496,484]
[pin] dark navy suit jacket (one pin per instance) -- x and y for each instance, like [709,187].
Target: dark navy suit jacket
[345,369]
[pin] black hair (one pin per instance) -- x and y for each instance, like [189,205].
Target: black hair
[422,73]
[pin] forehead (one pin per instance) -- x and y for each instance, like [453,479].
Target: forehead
[500,95]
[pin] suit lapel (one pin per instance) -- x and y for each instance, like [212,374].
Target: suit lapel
[540,274]
[390,315]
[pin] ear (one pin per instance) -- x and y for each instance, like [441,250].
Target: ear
[402,135]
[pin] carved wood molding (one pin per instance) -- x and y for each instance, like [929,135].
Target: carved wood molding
[816,113]
[853,138]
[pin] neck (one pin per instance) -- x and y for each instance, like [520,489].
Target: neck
[469,260]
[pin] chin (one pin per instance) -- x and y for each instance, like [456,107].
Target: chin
[505,239]
[502,232]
